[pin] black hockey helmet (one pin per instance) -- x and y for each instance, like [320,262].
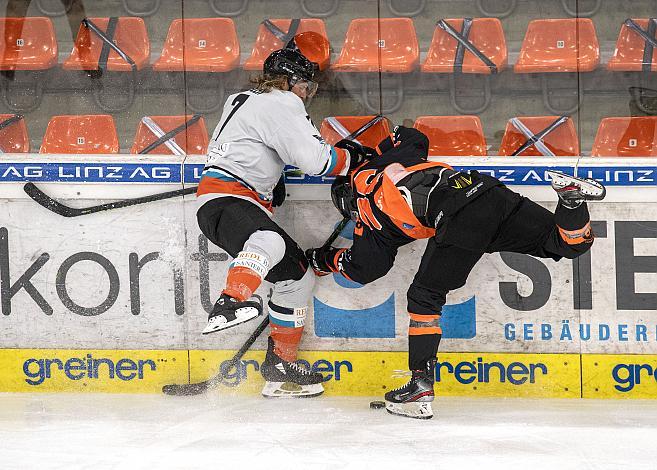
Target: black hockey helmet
[291,63]
[342,196]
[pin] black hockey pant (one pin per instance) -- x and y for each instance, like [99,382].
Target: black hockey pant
[499,220]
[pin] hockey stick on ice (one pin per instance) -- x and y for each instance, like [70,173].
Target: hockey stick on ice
[214,381]
[202,387]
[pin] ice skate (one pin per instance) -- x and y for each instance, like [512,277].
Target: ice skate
[414,399]
[573,191]
[285,379]
[228,312]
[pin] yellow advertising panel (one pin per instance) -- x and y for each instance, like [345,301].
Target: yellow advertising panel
[619,376]
[111,371]
[346,373]
[371,373]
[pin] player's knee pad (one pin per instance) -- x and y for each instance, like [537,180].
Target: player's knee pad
[262,251]
[425,301]
[289,300]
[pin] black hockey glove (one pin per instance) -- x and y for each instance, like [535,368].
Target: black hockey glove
[319,259]
[358,153]
[278,196]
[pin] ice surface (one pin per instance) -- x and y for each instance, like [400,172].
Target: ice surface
[96,431]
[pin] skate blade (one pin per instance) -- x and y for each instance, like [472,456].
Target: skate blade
[291,390]
[591,189]
[243,315]
[417,410]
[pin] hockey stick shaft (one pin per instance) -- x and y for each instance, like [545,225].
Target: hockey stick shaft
[49,203]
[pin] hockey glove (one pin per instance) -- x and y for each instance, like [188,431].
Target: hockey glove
[319,259]
[358,154]
[278,196]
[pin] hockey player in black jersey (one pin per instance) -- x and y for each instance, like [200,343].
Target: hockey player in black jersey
[399,196]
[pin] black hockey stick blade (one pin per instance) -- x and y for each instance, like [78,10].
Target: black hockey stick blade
[65,211]
[202,387]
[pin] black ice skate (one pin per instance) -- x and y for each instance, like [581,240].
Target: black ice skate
[288,379]
[228,312]
[573,191]
[414,399]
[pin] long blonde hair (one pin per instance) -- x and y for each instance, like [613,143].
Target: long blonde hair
[266,82]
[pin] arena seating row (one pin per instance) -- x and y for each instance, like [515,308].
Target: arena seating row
[448,135]
[211,45]
[328,8]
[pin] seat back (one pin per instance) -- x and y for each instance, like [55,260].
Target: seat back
[628,54]
[200,45]
[397,46]
[27,44]
[370,138]
[626,137]
[14,138]
[130,36]
[486,34]
[193,140]
[559,45]
[94,133]
[453,135]
[562,141]
[266,42]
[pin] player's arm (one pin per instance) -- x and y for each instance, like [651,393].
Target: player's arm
[369,258]
[298,142]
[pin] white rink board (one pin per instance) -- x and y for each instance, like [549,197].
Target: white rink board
[620,301]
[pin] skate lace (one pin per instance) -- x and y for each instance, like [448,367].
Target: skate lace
[299,368]
[397,374]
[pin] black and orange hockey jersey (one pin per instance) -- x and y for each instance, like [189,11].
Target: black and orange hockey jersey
[400,197]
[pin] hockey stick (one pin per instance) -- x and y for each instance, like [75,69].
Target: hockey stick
[58,208]
[202,387]
[214,381]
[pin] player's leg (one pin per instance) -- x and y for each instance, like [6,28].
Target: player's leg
[263,250]
[246,233]
[443,268]
[531,229]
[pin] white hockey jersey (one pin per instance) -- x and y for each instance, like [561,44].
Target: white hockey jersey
[258,134]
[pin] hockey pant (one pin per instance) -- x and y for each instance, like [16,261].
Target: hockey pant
[261,250]
[500,220]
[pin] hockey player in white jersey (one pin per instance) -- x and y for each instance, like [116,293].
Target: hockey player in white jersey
[260,131]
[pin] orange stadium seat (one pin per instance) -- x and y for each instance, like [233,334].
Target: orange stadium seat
[397,47]
[81,134]
[267,42]
[27,44]
[626,137]
[630,47]
[332,133]
[562,141]
[486,34]
[193,140]
[200,45]
[559,45]
[130,36]
[13,136]
[453,135]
